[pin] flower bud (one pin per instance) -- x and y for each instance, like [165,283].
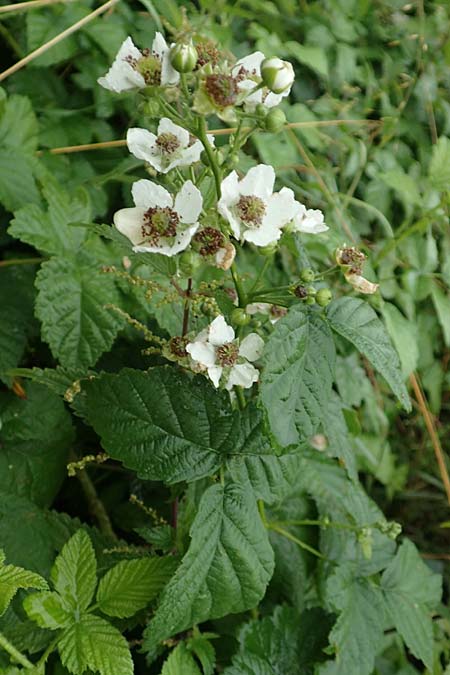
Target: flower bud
[183,57]
[261,110]
[240,317]
[275,120]
[307,275]
[323,297]
[277,75]
[188,262]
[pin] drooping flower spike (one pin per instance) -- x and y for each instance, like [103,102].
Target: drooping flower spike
[255,213]
[217,351]
[159,223]
[172,146]
[135,69]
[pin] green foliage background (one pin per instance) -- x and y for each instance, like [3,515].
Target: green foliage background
[372,89]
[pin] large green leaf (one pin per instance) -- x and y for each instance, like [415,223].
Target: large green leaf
[48,610]
[180,662]
[284,642]
[91,642]
[439,170]
[74,574]
[411,591]
[35,437]
[17,184]
[297,376]
[12,578]
[404,337]
[226,569]
[162,423]
[131,584]
[358,633]
[355,320]
[71,306]
[18,125]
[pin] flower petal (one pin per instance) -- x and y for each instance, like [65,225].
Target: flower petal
[230,196]
[140,143]
[252,347]
[203,352]
[263,236]
[160,48]
[220,332]
[251,63]
[259,181]
[182,241]
[311,222]
[189,202]
[129,222]
[122,76]
[281,208]
[242,375]
[146,193]
[215,373]
[166,126]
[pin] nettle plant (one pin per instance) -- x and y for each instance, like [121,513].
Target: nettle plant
[234,410]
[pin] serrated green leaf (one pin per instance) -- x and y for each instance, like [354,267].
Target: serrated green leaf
[404,337]
[284,642]
[18,125]
[225,570]
[35,436]
[74,574]
[71,306]
[161,423]
[411,590]
[48,610]
[12,578]
[355,320]
[44,25]
[441,301]
[94,643]
[297,375]
[313,57]
[49,230]
[358,633]
[200,645]
[338,441]
[439,170]
[180,662]
[131,584]
[17,184]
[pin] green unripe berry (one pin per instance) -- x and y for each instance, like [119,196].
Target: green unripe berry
[307,275]
[188,262]
[275,120]
[240,317]
[261,110]
[324,297]
[183,57]
[310,300]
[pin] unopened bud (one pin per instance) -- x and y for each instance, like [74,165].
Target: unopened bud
[183,57]
[277,75]
[323,297]
[307,275]
[240,317]
[275,121]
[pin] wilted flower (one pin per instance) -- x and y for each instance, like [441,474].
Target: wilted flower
[217,351]
[277,75]
[254,212]
[217,94]
[158,223]
[133,68]
[247,72]
[361,284]
[275,312]
[352,261]
[309,221]
[212,244]
[171,147]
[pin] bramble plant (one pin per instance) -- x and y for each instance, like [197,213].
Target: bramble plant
[263,554]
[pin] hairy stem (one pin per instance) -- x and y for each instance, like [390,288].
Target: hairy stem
[14,653]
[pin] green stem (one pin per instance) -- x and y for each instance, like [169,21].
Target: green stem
[203,137]
[47,653]
[14,653]
[95,504]
[240,397]
[21,261]
[261,274]
[192,174]
[299,542]
[262,513]
[238,285]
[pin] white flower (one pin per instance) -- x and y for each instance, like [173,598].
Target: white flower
[254,211]
[274,311]
[158,223]
[133,68]
[248,73]
[309,221]
[361,284]
[277,75]
[216,351]
[171,147]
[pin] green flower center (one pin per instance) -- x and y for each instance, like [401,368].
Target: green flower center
[251,210]
[159,222]
[167,143]
[227,354]
[149,66]
[222,89]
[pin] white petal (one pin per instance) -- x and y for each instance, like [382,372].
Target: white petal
[140,142]
[242,375]
[312,222]
[166,126]
[215,373]
[273,100]
[230,197]
[160,48]
[122,76]
[145,193]
[191,154]
[189,202]
[252,347]
[220,332]
[251,63]
[182,241]
[263,236]
[129,222]
[259,181]
[202,352]
[281,208]
[159,45]
[258,308]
